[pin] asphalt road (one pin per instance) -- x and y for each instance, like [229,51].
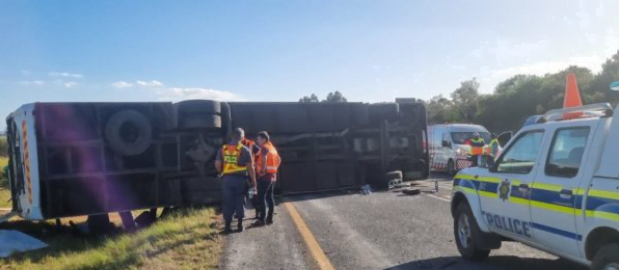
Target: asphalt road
[383,230]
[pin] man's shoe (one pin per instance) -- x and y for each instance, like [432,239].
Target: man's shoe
[240,226]
[269,221]
[258,223]
[228,227]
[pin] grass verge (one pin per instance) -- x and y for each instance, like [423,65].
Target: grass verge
[3,161]
[184,240]
[5,195]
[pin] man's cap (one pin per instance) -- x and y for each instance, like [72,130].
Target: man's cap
[239,132]
[264,135]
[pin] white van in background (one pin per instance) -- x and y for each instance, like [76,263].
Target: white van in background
[448,149]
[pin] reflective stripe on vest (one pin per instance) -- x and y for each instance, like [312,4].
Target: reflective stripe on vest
[231,155]
[273,159]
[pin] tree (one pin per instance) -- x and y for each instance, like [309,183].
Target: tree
[332,97]
[311,98]
[466,99]
[439,110]
[335,97]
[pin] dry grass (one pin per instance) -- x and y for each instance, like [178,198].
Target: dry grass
[5,196]
[3,161]
[187,240]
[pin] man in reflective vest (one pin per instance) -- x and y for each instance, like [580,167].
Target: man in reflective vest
[267,164]
[235,164]
[477,144]
[255,150]
[493,146]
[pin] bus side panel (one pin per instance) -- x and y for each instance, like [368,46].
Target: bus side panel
[25,134]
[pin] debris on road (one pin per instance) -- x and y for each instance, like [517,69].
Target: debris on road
[395,184]
[12,241]
[393,178]
[411,191]
[366,190]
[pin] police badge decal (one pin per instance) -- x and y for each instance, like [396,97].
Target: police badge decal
[504,190]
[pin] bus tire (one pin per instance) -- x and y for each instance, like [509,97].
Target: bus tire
[128,132]
[199,106]
[198,121]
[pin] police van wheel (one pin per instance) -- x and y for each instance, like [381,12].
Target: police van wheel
[607,258]
[466,233]
[451,168]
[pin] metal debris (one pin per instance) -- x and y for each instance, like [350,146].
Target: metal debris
[366,190]
[12,241]
[411,191]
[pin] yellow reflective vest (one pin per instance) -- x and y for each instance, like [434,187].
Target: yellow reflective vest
[231,155]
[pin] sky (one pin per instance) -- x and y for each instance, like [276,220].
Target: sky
[371,51]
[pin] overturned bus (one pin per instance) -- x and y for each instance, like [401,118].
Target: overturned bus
[73,159]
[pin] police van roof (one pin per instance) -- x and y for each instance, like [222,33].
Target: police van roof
[587,112]
[462,127]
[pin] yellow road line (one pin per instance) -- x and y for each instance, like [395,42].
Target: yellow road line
[317,252]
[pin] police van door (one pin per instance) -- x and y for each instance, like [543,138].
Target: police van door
[503,191]
[553,193]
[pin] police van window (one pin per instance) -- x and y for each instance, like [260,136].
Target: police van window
[522,155]
[446,138]
[436,138]
[566,152]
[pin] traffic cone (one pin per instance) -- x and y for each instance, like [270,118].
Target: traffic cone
[572,97]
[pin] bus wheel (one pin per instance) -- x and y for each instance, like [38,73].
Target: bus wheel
[128,132]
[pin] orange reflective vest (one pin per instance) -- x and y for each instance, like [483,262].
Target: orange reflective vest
[250,145]
[477,146]
[231,155]
[273,160]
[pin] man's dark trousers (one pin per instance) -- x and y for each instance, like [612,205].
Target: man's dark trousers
[265,197]
[475,161]
[234,190]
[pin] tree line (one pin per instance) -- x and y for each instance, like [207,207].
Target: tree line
[521,96]
[514,99]
[331,97]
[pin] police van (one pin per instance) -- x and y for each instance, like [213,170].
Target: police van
[448,149]
[554,187]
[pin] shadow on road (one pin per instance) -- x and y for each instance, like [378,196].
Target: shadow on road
[492,263]
[440,176]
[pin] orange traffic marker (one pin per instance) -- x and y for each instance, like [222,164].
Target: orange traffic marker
[572,97]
